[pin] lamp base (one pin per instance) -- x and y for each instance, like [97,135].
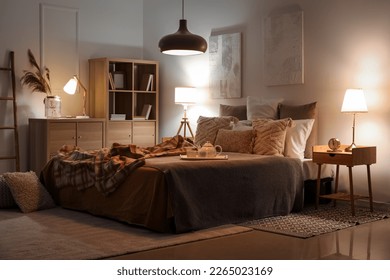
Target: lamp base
[350,147]
[185,124]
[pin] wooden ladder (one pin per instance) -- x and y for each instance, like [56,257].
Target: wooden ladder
[11,69]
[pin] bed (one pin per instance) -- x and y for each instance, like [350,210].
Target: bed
[165,193]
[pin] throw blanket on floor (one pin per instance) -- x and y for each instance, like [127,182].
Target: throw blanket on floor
[107,168]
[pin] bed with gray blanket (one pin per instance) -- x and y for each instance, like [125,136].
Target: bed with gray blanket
[168,194]
[264,175]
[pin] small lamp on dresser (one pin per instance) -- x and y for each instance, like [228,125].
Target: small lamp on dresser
[71,87]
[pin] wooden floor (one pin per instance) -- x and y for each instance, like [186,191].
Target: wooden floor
[367,241]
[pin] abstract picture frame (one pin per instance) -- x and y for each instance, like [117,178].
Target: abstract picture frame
[225,66]
[283,47]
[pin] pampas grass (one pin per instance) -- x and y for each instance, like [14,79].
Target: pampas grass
[37,80]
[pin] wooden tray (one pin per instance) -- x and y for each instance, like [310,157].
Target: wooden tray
[220,157]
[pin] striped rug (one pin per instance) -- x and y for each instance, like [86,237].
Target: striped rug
[311,222]
[60,234]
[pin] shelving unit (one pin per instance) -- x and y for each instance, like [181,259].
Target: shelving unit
[119,91]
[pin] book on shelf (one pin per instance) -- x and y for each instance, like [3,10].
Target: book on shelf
[118,117]
[146,109]
[147,82]
[150,83]
[111,81]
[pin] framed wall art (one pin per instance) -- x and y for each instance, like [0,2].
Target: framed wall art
[225,65]
[283,47]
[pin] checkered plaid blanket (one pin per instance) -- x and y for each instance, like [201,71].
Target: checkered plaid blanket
[106,168]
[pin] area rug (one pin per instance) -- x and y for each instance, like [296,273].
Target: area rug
[60,234]
[311,222]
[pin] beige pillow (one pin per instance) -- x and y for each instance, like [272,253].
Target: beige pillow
[270,136]
[237,141]
[6,199]
[208,127]
[301,112]
[29,194]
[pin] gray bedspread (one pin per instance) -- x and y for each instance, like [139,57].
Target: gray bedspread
[208,193]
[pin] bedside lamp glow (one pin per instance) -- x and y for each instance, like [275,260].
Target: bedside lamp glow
[185,96]
[71,88]
[354,102]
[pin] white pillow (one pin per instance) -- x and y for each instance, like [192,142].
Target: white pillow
[296,138]
[260,108]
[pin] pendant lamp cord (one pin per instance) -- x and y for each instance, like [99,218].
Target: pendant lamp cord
[182,9]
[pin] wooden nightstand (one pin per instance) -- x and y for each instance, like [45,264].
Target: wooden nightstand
[361,155]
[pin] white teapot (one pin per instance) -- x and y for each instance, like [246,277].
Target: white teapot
[208,150]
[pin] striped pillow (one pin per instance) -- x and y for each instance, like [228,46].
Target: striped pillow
[270,136]
[208,127]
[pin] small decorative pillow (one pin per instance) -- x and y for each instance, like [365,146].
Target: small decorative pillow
[208,127]
[259,108]
[296,137]
[29,194]
[237,141]
[270,136]
[6,199]
[238,111]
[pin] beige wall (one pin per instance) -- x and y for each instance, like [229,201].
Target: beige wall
[346,45]
[106,28]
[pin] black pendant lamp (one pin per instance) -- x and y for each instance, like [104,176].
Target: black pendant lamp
[182,42]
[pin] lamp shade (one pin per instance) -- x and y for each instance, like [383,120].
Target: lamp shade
[185,95]
[182,42]
[71,86]
[354,102]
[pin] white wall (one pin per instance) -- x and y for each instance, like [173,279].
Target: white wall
[346,46]
[106,28]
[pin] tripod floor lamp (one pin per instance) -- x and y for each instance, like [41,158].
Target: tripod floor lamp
[185,96]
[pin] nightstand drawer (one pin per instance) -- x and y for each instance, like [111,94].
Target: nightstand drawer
[361,155]
[333,158]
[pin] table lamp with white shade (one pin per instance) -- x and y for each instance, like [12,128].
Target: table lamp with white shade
[71,88]
[354,102]
[185,96]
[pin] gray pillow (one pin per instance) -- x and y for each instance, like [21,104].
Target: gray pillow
[260,108]
[238,111]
